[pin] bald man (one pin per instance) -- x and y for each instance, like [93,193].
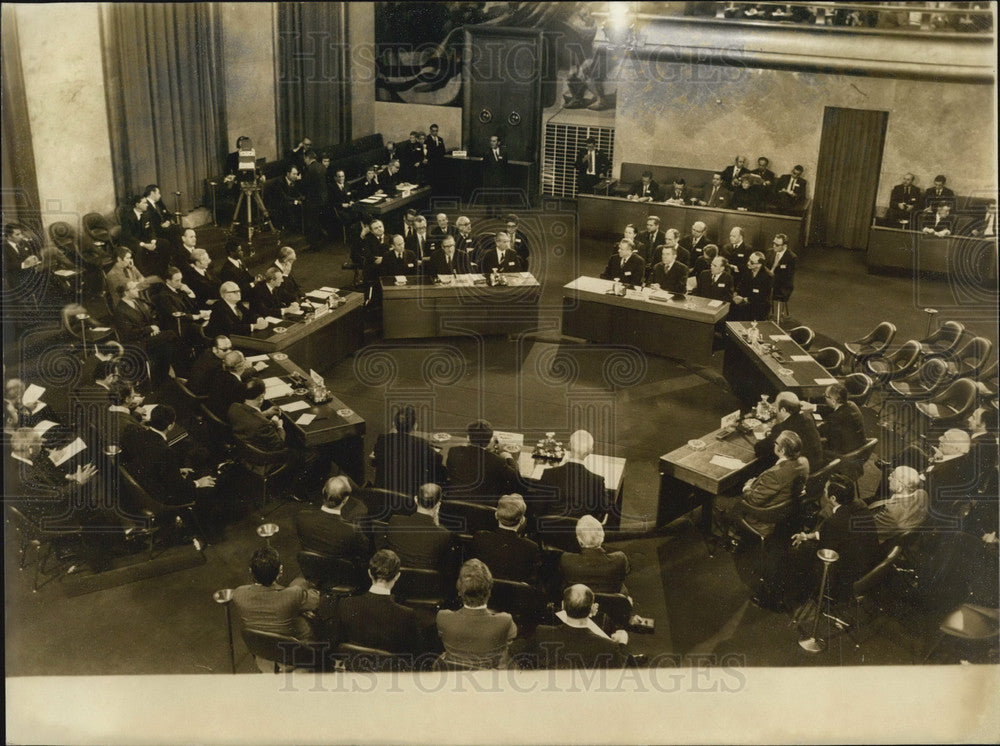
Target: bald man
[231,316]
[696,242]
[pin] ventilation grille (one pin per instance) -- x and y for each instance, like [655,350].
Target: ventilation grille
[562,144]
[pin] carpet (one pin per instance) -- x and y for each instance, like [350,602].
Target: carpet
[132,569]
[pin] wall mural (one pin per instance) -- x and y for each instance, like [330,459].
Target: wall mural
[419,47]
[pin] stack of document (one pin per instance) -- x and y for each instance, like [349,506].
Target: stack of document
[275,388]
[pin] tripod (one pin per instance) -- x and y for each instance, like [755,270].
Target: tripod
[250,196]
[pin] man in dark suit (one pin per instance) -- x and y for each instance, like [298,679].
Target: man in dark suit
[591,166]
[501,258]
[790,416]
[904,202]
[746,196]
[296,156]
[716,282]
[737,251]
[790,191]
[208,364]
[135,321]
[476,472]
[767,178]
[495,172]
[716,193]
[937,194]
[370,186]
[518,239]
[262,429]
[731,174]
[594,566]
[138,235]
[645,190]
[374,619]
[844,427]
[264,297]
[284,199]
[289,291]
[441,230]
[326,531]
[418,539]
[234,268]
[404,461]
[752,296]
[226,385]
[178,298]
[447,260]
[412,159]
[940,222]
[678,194]
[669,274]
[391,177]
[418,240]
[782,265]
[626,266]
[466,240]
[399,260]
[434,150]
[230,316]
[951,472]
[508,554]
[342,198]
[648,242]
[576,642]
[203,283]
[369,255]
[695,243]
[577,490]
[20,259]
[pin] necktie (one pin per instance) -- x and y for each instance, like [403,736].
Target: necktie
[593,164]
[645,189]
[238,312]
[496,154]
[715,190]
[791,186]
[777,258]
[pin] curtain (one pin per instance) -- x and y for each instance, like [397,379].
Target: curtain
[313,79]
[165,98]
[850,158]
[20,184]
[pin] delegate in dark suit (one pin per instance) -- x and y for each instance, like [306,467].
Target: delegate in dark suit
[716,288]
[803,425]
[851,533]
[375,620]
[418,541]
[403,462]
[495,170]
[204,286]
[717,195]
[573,647]
[783,270]
[737,256]
[936,194]
[756,288]
[591,166]
[519,243]
[477,636]
[225,320]
[480,475]
[577,490]
[731,175]
[156,466]
[328,533]
[777,485]
[673,280]
[441,264]
[281,196]
[596,568]
[437,235]
[393,264]
[631,271]
[650,190]
[420,245]
[906,195]
[844,429]
[224,389]
[264,300]
[232,272]
[508,555]
[509,261]
[789,192]
[134,326]
[251,426]
[169,301]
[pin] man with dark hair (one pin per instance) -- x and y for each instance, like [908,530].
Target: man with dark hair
[447,260]
[790,416]
[477,471]
[844,426]
[264,298]
[591,166]
[474,635]
[135,321]
[502,257]
[269,607]
[704,262]
[745,196]
[20,258]
[121,273]
[138,235]
[374,619]
[419,539]
[434,151]
[790,191]
[646,243]
[327,531]
[296,156]
[234,270]
[398,260]
[208,364]
[510,555]
[625,266]
[159,215]
[577,642]
[412,158]
[284,199]
[716,282]
[404,461]
[937,194]
[669,274]
[645,190]
[518,239]
[495,173]
[175,297]
[716,193]
[752,297]
[679,194]
[766,175]
[781,261]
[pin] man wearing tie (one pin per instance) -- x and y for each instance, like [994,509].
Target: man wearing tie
[502,258]
[782,264]
[716,282]
[495,172]
[669,274]
[645,190]
[399,260]
[987,227]
[626,266]
[518,240]
[717,194]
[134,319]
[418,241]
[648,242]
[591,166]
[903,200]
[229,317]
[938,193]
[790,191]
[465,241]
[435,150]
[695,243]
[448,261]
[940,222]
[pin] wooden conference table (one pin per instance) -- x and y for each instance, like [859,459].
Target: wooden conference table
[460,305]
[391,209]
[751,371]
[316,342]
[675,329]
[966,257]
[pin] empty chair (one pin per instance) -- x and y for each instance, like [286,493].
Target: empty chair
[424,588]
[802,336]
[859,388]
[855,460]
[34,534]
[617,607]
[382,504]
[944,339]
[862,588]
[971,359]
[952,406]
[830,358]
[64,238]
[986,381]
[557,533]
[873,343]
[886,367]
[264,467]
[331,574]
[465,518]
[969,626]
[522,601]
[97,228]
[923,382]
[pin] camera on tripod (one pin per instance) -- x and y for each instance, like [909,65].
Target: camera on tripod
[246,170]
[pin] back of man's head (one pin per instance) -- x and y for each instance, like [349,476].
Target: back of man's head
[510,510]
[790,444]
[254,389]
[840,489]
[589,532]
[265,565]
[162,417]
[581,444]
[480,433]
[428,496]
[577,601]
[956,441]
[404,419]
[789,402]
[232,360]
[383,566]
[336,491]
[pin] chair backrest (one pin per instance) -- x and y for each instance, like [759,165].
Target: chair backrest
[830,358]
[220,428]
[255,456]
[558,531]
[463,517]
[523,601]
[382,504]
[989,372]
[859,456]
[959,395]
[974,355]
[421,585]
[947,333]
[371,660]
[286,652]
[96,227]
[932,374]
[63,236]
[802,336]
[193,398]
[882,335]
[906,357]
[326,571]
[617,606]
[876,575]
[816,481]
[859,387]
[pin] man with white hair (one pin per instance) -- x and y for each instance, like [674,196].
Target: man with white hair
[441,230]
[593,566]
[696,242]
[575,490]
[906,506]
[672,238]
[231,316]
[465,240]
[950,473]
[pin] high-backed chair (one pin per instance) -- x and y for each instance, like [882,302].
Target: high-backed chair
[862,589]
[617,607]
[830,358]
[263,467]
[371,660]
[873,343]
[523,601]
[968,361]
[859,456]
[332,574]
[382,504]
[951,406]
[923,382]
[465,518]
[802,336]
[143,505]
[33,535]
[859,388]
[899,363]
[816,481]
[944,339]
[283,653]
[97,228]
[429,589]
[557,533]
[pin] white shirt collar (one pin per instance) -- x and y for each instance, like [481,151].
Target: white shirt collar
[331,511]
[379,590]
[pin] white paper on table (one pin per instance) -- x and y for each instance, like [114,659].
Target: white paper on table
[37,407]
[32,394]
[800,358]
[260,365]
[305,419]
[781,338]
[817,416]
[328,289]
[294,406]
[257,358]
[400,279]
[536,473]
[505,438]
[825,381]
[524,275]
[714,303]
[272,382]
[63,455]
[371,200]
[272,320]
[726,462]
[608,467]
[278,391]
[319,294]
[43,427]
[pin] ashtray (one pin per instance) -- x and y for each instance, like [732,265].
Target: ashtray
[300,391]
[784,371]
[697,445]
[441,437]
[345,412]
[280,329]
[267,530]
[279,356]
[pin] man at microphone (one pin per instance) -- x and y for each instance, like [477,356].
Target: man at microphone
[447,260]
